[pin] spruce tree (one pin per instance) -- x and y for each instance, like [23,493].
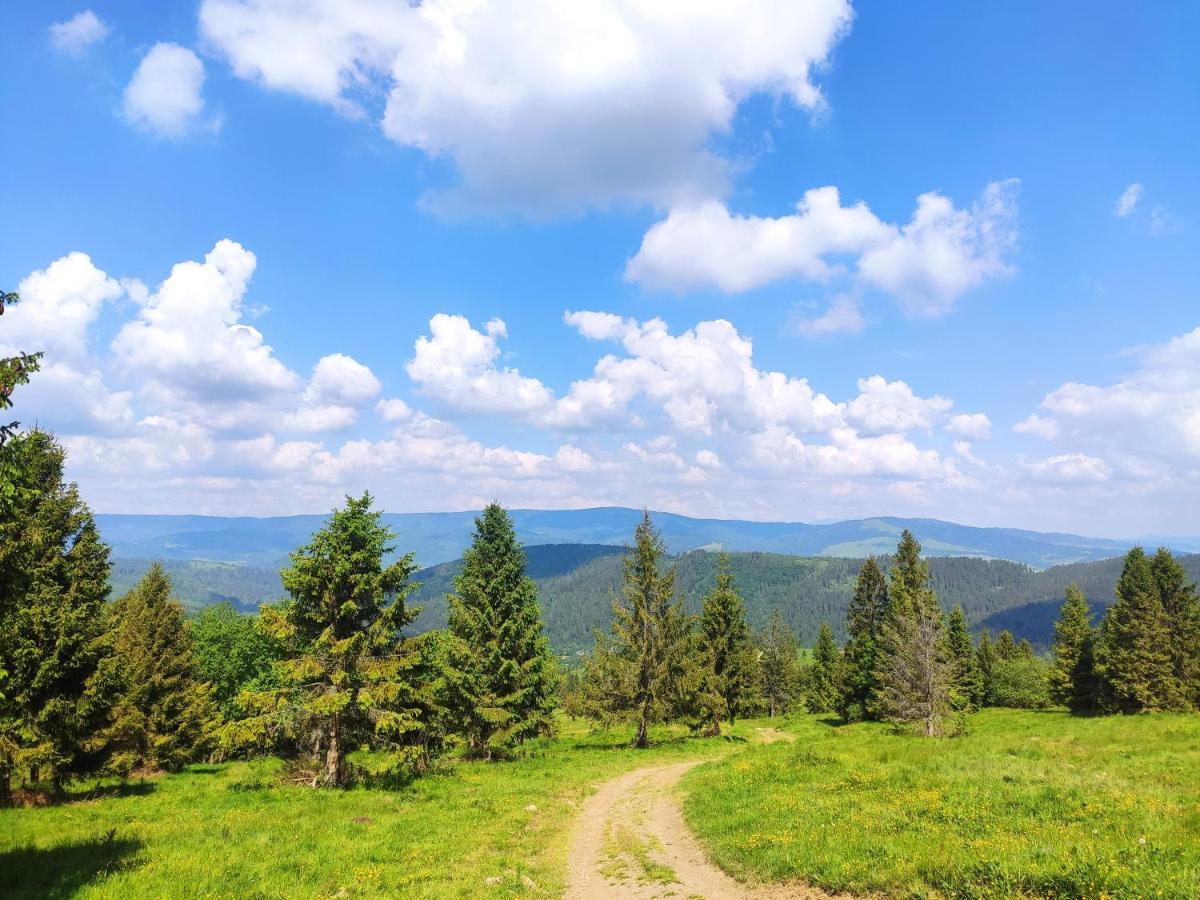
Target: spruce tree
[966,678]
[14,372]
[502,676]
[1182,605]
[822,687]
[729,655]
[986,660]
[164,716]
[1025,649]
[351,677]
[60,679]
[913,673]
[778,654]
[643,669]
[864,625]
[1133,654]
[1006,646]
[1072,676]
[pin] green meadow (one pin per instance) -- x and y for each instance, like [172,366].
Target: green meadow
[1023,804]
[240,830]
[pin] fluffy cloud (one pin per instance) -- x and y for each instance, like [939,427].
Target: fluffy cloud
[189,339]
[927,264]
[455,366]
[976,426]
[164,96]
[943,252]
[891,406]
[676,253]
[842,317]
[78,34]
[58,306]
[1128,200]
[1037,425]
[540,106]
[1154,412]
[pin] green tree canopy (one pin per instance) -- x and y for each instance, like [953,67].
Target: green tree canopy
[778,664]
[502,676]
[864,625]
[730,659]
[164,716]
[643,669]
[1072,676]
[351,678]
[60,680]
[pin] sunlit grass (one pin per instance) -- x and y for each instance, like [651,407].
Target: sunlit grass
[1025,804]
[235,830]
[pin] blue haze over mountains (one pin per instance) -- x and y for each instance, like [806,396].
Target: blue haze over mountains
[441,537]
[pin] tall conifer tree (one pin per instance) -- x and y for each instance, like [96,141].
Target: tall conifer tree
[60,679]
[502,675]
[1073,677]
[728,653]
[1182,605]
[778,655]
[985,659]
[966,678]
[1133,654]
[643,670]
[913,671]
[822,689]
[164,716]
[351,677]
[864,625]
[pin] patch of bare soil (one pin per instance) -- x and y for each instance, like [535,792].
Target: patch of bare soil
[631,841]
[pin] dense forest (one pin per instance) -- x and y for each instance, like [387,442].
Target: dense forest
[994,594]
[575,582]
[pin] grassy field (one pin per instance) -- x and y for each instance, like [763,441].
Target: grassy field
[234,831]
[1026,804]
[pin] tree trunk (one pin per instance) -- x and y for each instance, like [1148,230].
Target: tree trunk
[643,735]
[713,729]
[5,787]
[333,755]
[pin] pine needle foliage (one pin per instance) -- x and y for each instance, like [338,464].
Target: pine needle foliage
[1072,675]
[60,681]
[966,678]
[351,678]
[729,656]
[914,673]
[1134,651]
[502,677]
[778,664]
[644,669]
[821,691]
[165,716]
[864,625]
[1182,605]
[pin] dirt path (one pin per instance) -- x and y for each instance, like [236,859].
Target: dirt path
[631,841]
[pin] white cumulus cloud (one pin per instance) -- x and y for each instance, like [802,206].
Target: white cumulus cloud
[78,34]
[541,106]
[927,264]
[165,94]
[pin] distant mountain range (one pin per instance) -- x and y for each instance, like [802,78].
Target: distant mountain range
[442,537]
[575,584]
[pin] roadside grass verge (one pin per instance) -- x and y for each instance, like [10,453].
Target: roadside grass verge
[1025,804]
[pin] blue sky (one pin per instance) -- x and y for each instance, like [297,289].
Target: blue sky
[1019,347]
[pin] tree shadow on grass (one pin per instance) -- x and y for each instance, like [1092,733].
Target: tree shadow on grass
[111,791]
[62,870]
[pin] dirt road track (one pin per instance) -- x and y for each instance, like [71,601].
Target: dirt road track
[631,841]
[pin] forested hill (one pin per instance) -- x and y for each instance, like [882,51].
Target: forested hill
[576,581]
[441,537]
[807,590]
